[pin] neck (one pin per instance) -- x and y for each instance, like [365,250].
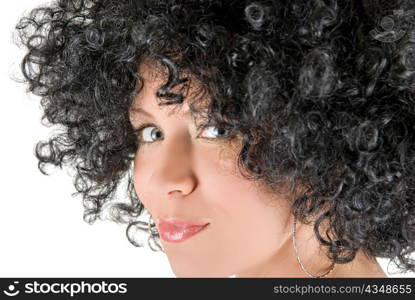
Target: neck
[283,263]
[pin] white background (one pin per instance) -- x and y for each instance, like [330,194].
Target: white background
[42,232]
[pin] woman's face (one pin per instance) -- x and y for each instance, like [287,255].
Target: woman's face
[186,174]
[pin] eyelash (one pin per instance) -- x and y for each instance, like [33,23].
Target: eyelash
[228,136]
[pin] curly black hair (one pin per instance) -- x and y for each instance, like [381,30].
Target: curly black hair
[322,93]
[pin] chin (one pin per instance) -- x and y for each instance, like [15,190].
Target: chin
[197,272]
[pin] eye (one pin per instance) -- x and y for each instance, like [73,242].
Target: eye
[215,132]
[149,133]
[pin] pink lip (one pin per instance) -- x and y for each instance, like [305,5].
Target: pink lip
[175,231]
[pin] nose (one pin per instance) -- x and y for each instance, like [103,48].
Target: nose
[173,170]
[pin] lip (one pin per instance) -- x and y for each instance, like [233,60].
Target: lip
[175,230]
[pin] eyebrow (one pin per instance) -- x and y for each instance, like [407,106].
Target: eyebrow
[139,110]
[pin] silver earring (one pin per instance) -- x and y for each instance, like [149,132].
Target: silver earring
[298,257]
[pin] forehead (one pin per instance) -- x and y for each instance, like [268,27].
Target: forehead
[154,76]
[152,70]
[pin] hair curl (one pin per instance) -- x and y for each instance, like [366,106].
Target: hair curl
[322,93]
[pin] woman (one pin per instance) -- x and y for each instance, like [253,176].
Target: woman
[264,138]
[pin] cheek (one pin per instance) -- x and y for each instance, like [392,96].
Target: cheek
[240,201]
[227,191]
[141,174]
[239,205]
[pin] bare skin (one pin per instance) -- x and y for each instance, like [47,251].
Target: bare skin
[313,259]
[186,176]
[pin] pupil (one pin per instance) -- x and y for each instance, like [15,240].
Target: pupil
[156,134]
[221,131]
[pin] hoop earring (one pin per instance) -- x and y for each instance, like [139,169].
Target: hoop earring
[298,257]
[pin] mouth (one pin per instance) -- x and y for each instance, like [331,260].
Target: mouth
[175,231]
